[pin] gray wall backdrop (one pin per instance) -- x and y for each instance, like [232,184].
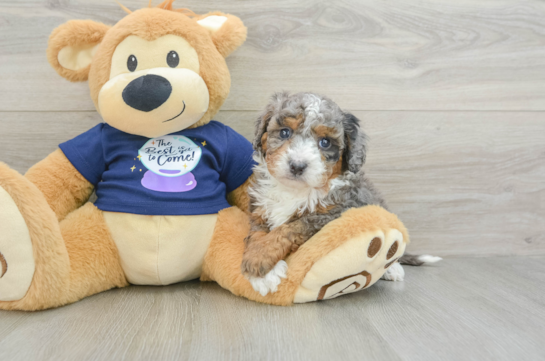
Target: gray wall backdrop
[452,94]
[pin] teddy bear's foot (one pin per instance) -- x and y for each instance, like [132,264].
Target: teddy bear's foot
[33,259]
[16,257]
[349,254]
[353,266]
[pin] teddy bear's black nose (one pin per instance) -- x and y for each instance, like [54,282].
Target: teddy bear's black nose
[147,92]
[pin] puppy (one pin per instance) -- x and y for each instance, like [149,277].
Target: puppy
[309,156]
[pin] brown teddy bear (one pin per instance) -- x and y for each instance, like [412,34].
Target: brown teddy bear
[163,172]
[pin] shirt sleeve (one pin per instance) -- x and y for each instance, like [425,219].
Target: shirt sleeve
[86,154]
[238,164]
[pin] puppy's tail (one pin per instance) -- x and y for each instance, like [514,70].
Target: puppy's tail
[418,260]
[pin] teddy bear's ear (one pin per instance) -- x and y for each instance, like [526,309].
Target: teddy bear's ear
[72,46]
[227,31]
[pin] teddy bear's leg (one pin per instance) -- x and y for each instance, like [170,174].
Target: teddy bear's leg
[95,265]
[224,256]
[44,263]
[347,255]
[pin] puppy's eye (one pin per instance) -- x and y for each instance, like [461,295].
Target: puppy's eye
[285,133]
[173,59]
[132,63]
[324,143]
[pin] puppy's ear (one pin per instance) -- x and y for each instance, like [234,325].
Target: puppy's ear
[273,108]
[355,140]
[227,31]
[72,46]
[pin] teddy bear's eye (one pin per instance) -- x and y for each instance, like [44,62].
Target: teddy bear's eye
[173,59]
[132,63]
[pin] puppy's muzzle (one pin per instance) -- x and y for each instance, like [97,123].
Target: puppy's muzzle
[297,168]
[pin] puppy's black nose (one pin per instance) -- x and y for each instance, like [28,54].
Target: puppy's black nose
[147,92]
[297,168]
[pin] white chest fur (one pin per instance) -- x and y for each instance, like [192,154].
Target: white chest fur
[281,202]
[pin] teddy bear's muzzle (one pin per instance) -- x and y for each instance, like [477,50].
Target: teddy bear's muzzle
[154,102]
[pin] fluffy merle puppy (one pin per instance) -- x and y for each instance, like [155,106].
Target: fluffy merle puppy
[310,156]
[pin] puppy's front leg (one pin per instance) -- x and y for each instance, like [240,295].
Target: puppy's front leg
[262,262]
[263,251]
[265,248]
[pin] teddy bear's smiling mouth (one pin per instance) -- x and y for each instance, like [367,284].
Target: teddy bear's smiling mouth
[177,115]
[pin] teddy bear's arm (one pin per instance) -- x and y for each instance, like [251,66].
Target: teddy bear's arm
[239,197]
[64,188]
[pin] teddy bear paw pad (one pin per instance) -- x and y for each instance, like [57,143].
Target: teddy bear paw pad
[16,257]
[355,265]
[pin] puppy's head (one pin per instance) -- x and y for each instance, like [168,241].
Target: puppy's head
[307,140]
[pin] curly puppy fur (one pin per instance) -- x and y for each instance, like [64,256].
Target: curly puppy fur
[310,156]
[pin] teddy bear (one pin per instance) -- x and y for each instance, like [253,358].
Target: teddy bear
[171,183]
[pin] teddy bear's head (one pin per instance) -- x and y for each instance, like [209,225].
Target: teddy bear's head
[157,71]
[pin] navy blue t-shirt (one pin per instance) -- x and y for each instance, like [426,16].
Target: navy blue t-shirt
[185,173]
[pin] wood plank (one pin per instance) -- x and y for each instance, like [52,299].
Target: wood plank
[461,308]
[137,323]
[28,137]
[464,183]
[430,54]
[231,329]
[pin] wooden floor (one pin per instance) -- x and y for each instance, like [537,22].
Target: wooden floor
[452,96]
[461,309]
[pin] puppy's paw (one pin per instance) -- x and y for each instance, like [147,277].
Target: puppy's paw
[270,282]
[394,273]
